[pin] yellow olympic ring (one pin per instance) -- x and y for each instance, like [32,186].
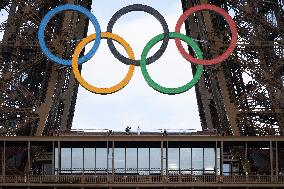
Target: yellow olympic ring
[85,84]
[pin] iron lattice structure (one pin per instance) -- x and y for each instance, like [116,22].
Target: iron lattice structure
[241,96]
[37,95]
[245,94]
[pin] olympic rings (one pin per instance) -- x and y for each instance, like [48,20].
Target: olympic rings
[231,24]
[156,86]
[47,18]
[94,89]
[147,9]
[131,60]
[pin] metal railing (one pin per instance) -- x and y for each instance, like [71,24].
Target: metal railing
[105,132]
[140,179]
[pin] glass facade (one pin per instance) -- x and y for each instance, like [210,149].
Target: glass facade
[142,161]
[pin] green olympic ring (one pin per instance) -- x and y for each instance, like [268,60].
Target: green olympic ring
[165,90]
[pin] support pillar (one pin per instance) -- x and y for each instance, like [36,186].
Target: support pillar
[124,160]
[216,157]
[222,159]
[149,161]
[137,158]
[83,161]
[191,168]
[167,159]
[71,159]
[95,160]
[112,158]
[271,158]
[107,158]
[162,158]
[246,158]
[59,158]
[203,161]
[276,159]
[29,157]
[4,159]
[179,161]
[52,159]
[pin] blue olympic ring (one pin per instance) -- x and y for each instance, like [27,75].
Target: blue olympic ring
[47,18]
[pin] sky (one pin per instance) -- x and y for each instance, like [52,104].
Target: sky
[137,104]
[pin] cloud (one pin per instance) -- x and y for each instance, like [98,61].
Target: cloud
[138,104]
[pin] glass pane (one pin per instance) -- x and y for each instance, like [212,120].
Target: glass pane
[197,160]
[143,161]
[101,160]
[173,161]
[77,159]
[226,169]
[155,160]
[131,159]
[209,161]
[119,159]
[89,159]
[65,159]
[185,160]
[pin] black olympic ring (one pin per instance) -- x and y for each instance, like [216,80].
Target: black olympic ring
[147,9]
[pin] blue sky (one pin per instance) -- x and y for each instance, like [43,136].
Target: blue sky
[136,104]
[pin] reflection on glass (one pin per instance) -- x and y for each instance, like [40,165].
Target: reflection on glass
[65,159]
[89,158]
[131,158]
[180,160]
[101,160]
[119,158]
[209,160]
[143,161]
[185,160]
[197,160]
[173,160]
[155,160]
[77,158]
[226,169]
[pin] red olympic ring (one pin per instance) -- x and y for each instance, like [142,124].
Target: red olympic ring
[227,17]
